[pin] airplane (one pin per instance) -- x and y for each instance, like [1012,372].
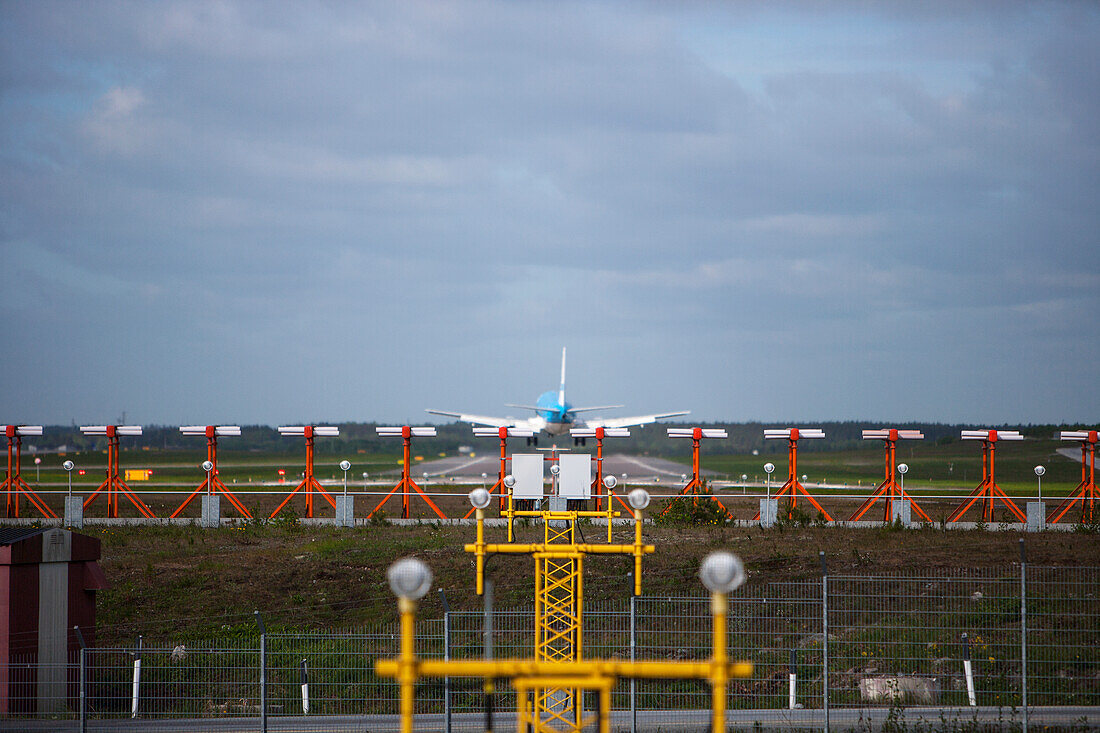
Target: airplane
[555,416]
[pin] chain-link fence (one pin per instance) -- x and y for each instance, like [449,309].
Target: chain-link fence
[841,651]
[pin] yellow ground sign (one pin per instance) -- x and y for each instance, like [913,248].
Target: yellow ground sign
[138,474]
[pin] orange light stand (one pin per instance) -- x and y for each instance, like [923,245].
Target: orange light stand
[988,492]
[114,485]
[503,433]
[14,485]
[693,486]
[1085,492]
[597,483]
[793,487]
[212,483]
[309,483]
[406,433]
[889,488]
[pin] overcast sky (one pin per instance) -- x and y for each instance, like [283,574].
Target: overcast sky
[287,212]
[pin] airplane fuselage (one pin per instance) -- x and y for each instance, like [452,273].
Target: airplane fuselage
[555,416]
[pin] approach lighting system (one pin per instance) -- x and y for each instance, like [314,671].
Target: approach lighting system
[213,483]
[793,487]
[889,489]
[489,432]
[480,498]
[406,433]
[309,481]
[409,578]
[988,492]
[722,572]
[695,485]
[114,485]
[14,487]
[503,433]
[599,434]
[1086,491]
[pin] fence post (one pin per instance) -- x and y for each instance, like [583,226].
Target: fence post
[1023,629]
[263,672]
[135,694]
[83,682]
[633,647]
[825,638]
[446,658]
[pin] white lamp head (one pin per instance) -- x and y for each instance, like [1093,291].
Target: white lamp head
[207,466]
[903,468]
[480,498]
[555,469]
[769,467]
[744,477]
[638,498]
[509,481]
[610,481]
[409,578]
[1040,470]
[345,465]
[68,465]
[721,572]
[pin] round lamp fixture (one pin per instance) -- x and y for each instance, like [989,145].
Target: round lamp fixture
[345,465]
[721,572]
[68,465]
[555,469]
[638,498]
[903,468]
[207,466]
[769,467]
[509,481]
[610,481]
[409,578]
[1040,470]
[744,477]
[480,498]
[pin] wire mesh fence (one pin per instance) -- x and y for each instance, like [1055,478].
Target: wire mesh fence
[842,643]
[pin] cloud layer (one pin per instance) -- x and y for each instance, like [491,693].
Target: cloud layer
[246,212]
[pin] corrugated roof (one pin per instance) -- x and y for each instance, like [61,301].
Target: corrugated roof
[11,535]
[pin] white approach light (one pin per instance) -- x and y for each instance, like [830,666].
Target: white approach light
[207,466]
[610,481]
[721,572]
[409,578]
[510,481]
[1040,470]
[345,465]
[68,465]
[903,468]
[638,498]
[555,469]
[480,498]
[769,467]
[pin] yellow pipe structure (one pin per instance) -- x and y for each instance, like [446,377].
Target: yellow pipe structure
[572,671]
[406,667]
[719,610]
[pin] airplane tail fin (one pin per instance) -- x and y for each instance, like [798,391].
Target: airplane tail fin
[561,390]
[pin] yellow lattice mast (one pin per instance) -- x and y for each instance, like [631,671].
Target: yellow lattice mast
[549,687]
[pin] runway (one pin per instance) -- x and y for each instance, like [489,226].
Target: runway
[637,468]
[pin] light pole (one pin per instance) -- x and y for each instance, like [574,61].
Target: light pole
[208,466]
[409,580]
[554,471]
[37,462]
[768,468]
[720,572]
[68,466]
[365,475]
[484,476]
[744,483]
[903,468]
[344,466]
[1039,471]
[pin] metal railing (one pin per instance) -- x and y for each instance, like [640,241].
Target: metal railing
[894,642]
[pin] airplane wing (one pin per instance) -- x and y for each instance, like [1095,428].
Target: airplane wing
[496,422]
[626,422]
[524,407]
[590,409]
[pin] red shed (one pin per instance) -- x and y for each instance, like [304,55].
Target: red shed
[48,580]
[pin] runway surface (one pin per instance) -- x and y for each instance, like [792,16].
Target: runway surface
[637,468]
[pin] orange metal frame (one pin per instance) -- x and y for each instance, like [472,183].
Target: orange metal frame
[696,483]
[212,483]
[597,483]
[114,485]
[407,482]
[499,486]
[14,485]
[988,492]
[794,487]
[1085,492]
[889,488]
[308,482]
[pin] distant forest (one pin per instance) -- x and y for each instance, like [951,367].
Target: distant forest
[647,440]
